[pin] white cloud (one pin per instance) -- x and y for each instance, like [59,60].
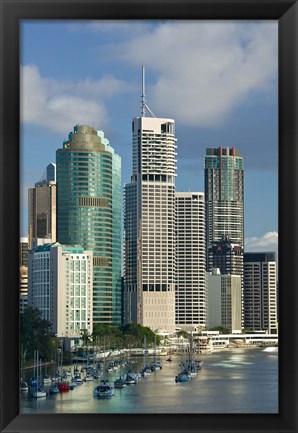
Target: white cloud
[205,70]
[119,27]
[267,242]
[59,105]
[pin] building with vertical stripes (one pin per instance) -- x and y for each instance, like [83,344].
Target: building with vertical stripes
[224,195]
[149,226]
[260,292]
[224,298]
[89,213]
[61,287]
[191,261]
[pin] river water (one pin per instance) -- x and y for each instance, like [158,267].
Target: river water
[231,381]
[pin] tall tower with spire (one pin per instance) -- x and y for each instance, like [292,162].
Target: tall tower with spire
[149,223]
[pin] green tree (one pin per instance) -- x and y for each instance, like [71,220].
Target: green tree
[138,332]
[221,329]
[36,334]
[128,335]
[107,336]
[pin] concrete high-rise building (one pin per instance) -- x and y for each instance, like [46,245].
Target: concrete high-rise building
[224,300]
[60,286]
[191,261]
[89,213]
[149,225]
[42,207]
[260,292]
[226,256]
[23,273]
[224,195]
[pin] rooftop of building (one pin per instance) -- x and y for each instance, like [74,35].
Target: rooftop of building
[73,249]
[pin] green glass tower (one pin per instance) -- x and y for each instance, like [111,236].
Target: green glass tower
[89,213]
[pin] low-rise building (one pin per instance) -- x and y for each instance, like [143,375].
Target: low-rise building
[60,286]
[224,304]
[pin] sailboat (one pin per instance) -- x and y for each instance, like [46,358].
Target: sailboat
[24,386]
[104,390]
[120,382]
[62,384]
[156,364]
[183,376]
[46,379]
[191,364]
[37,390]
[146,370]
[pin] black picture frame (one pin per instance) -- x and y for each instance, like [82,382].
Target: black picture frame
[12,11]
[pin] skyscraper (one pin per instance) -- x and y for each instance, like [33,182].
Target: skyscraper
[149,224]
[224,195]
[260,292]
[42,207]
[89,213]
[191,261]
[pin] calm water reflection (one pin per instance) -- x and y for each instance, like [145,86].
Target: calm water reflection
[238,381]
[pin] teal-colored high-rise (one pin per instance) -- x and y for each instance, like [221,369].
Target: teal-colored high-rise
[89,213]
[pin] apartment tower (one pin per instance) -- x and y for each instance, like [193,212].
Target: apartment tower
[224,195]
[89,213]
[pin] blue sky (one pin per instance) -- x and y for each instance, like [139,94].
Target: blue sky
[217,79]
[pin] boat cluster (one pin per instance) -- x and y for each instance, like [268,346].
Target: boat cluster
[105,390]
[41,386]
[189,369]
[64,381]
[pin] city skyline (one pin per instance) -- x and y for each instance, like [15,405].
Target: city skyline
[104,91]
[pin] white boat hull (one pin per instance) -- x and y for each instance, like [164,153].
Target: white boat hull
[39,394]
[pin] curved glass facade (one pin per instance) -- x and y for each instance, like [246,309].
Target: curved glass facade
[89,213]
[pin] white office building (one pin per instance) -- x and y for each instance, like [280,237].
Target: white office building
[149,226]
[224,304]
[60,286]
[260,292]
[191,261]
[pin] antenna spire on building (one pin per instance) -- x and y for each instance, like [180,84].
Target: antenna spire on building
[144,105]
[143,93]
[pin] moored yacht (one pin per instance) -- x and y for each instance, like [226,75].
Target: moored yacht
[104,390]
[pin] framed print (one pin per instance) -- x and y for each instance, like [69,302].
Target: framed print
[100,306]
